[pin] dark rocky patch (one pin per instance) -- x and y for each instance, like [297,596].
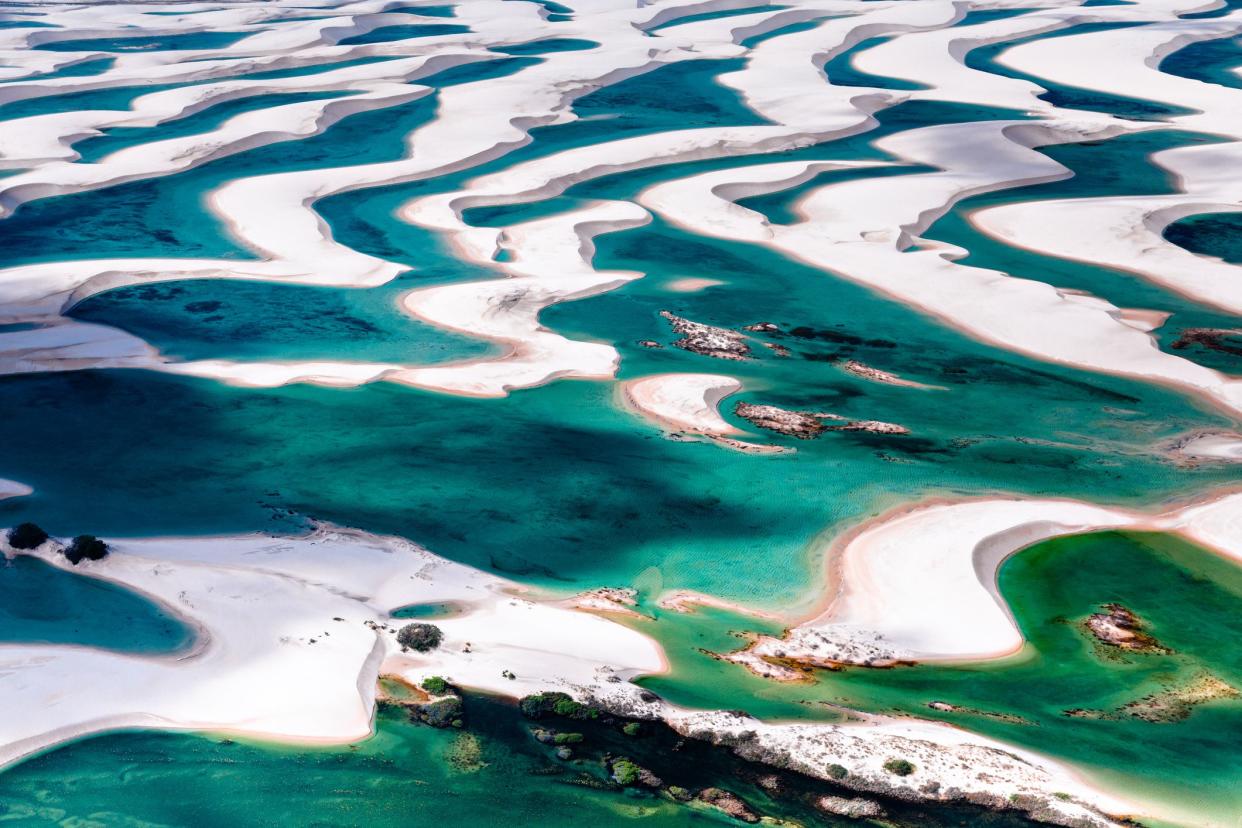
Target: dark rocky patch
[805,425]
[707,340]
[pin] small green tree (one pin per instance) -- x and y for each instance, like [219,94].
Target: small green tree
[437,686]
[836,771]
[26,536]
[86,547]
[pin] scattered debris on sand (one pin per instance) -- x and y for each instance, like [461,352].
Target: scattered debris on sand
[708,340]
[872,426]
[618,600]
[866,372]
[946,707]
[854,807]
[1204,446]
[807,425]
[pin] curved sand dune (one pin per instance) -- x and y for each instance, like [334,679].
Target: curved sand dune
[1126,232]
[867,230]
[869,244]
[683,402]
[272,214]
[919,584]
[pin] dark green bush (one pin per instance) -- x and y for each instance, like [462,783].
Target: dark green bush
[538,705]
[86,547]
[837,771]
[632,729]
[26,536]
[899,766]
[421,637]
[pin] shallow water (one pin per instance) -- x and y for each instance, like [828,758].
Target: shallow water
[40,603]
[193,40]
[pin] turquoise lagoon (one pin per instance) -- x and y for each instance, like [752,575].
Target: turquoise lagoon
[558,487]
[40,603]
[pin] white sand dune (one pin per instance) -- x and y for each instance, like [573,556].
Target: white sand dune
[871,243]
[278,612]
[782,80]
[1126,232]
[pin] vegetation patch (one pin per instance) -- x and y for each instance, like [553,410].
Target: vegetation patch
[86,548]
[900,767]
[26,536]
[421,637]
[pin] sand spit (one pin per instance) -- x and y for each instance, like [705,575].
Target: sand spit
[684,402]
[308,612]
[949,764]
[11,488]
[688,405]
[1207,446]
[919,584]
